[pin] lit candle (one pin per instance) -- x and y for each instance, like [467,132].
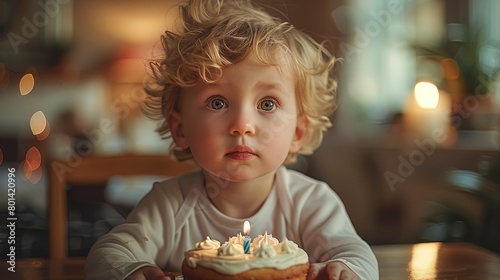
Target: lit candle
[247,240]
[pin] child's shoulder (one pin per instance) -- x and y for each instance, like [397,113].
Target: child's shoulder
[183,183]
[294,177]
[298,182]
[296,189]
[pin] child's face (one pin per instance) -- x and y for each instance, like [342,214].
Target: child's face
[243,126]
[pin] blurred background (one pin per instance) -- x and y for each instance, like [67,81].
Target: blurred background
[413,151]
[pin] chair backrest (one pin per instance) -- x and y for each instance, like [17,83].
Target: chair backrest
[94,170]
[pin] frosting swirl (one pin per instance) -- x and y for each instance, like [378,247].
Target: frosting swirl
[238,239]
[265,251]
[207,244]
[267,239]
[230,258]
[288,247]
[230,249]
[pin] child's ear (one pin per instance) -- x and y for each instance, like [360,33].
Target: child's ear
[176,130]
[300,134]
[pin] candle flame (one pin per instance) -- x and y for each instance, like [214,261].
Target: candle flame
[246,228]
[427,95]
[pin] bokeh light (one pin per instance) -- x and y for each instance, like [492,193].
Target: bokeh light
[31,167]
[26,84]
[27,171]
[450,69]
[38,123]
[427,95]
[34,158]
[45,133]
[36,176]
[423,260]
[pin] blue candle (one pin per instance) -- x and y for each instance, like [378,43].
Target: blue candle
[246,244]
[247,240]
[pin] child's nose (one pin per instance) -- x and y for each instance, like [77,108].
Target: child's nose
[242,125]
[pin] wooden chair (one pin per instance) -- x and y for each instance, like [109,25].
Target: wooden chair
[95,170]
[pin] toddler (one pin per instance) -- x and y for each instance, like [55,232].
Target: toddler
[241,94]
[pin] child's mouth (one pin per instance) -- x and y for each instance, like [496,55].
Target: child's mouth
[240,155]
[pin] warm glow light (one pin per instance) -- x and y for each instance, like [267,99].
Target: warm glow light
[36,176]
[127,71]
[38,123]
[27,170]
[450,69]
[131,23]
[45,133]
[423,260]
[246,228]
[26,84]
[427,95]
[34,158]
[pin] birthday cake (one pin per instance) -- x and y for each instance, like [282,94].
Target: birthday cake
[263,258]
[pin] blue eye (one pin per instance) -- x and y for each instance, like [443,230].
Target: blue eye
[267,105]
[216,103]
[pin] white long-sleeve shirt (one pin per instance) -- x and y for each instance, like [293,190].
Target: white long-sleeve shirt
[177,213]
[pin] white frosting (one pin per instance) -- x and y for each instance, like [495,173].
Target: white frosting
[267,239]
[208,244]
[288,247]
[265,251]
[238,239]
[231,249]
[230,258]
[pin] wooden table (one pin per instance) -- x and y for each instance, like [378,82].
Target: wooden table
[461,261]
[44,269]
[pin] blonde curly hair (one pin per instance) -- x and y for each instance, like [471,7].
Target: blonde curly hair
[216,34]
